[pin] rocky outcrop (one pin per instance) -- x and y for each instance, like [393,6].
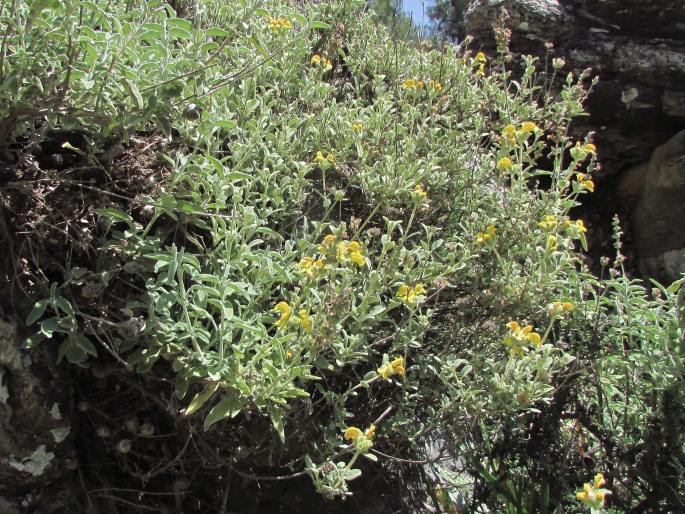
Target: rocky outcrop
[637,49]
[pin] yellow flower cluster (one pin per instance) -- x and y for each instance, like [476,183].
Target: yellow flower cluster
[409,294]
[419,195]
[279,24]
[363,441]
[357,127]
[585,183]
[322,62]
[343,251]
[435,85]
[558,308]
[548,223]
[575,228]
[412,84]
[484,237]
[326,161]
[394,367]
[511,135]
[519,337]
[481,60]
[593,494]
[286,313]
[312,266]
[579,153]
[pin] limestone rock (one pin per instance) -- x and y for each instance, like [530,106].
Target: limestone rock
[660,212]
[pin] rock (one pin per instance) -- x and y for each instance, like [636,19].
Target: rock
[34,427]
[659,212]
[637,50]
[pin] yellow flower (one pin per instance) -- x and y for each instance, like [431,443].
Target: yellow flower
[322,161]
[435,86]
[306,263]
[484,237]
[575,226]
[357,258]
[370,432]
[357,127]
[509,134]
[354,246]
[284,309]
[504,163]
[590,148]
[353,433]
[420,84]
[552,243]
[324,62]
[403,292]
[419,194]
[385,371]
[528,126]
[354,250]
[408,294]
[328,240]
[397,366]
[585,183]
[289,354]
[519,337]
[592,494]
[409,84]
[480,57]
[481,70]
[394,367]
[303,320]
[279,24]
[557,308]
[548,223]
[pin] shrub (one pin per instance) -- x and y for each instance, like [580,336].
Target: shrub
[367,243]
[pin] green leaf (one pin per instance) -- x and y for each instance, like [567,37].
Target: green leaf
[37,311]
[64,305]
[33,340]
[86,345]
[228,407]
[48,326]
[135,94]
[225,124]
[180,23]
[320,25]
[238,175]
[201,398]
[259,47]
[217,32]
[73,353]
[115,214]
[277,420]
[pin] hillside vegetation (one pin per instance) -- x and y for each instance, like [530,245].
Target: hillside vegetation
[274,241]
